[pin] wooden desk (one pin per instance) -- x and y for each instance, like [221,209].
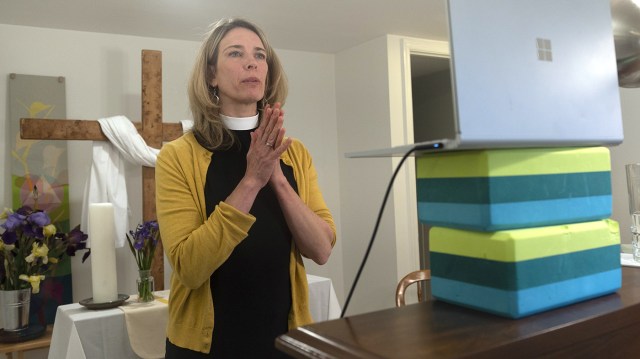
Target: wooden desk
[42,342]
[607,326]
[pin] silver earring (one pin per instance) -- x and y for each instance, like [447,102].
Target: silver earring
[216,98]
[263,102]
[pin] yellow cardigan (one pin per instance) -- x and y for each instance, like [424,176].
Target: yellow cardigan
[196,245]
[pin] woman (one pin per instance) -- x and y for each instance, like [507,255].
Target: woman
[238,205]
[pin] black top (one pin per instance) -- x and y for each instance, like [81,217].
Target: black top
[252,289]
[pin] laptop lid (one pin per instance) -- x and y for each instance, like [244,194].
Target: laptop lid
[528,73]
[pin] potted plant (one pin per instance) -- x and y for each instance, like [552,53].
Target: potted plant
[30,248]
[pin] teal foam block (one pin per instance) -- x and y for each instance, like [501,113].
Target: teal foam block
[524,302]
[525,274]
[521,288]
[512,202]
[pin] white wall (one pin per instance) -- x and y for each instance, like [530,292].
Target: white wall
[311,116]
[627,152]
[103,79]
[362,90]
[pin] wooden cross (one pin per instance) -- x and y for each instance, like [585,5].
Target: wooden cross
[152,130]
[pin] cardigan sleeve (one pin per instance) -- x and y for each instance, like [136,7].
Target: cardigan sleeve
[308,187]
[194,245]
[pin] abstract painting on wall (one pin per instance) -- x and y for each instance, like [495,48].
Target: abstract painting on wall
[41,164]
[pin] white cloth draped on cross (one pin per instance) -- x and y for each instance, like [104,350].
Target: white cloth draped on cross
[107,179]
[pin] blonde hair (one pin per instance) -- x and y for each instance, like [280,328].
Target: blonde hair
[208,128]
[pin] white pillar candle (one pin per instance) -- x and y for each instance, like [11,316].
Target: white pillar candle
[102,238]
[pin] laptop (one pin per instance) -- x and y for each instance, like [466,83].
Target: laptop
[526,73]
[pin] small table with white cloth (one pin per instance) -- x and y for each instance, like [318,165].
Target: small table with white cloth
[80,333]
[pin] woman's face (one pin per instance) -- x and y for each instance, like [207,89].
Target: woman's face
[241,72]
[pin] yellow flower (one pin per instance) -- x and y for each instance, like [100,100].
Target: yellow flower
[34,280]
[53,260]
[6,247]
[49,230]
[38,251]
[5,213]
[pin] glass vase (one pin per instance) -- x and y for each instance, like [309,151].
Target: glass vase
[633,186]
[145,286]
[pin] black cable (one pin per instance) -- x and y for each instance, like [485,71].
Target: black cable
[375,229]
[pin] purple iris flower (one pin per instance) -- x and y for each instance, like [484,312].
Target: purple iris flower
[138,239]
[9,237]
[154,228]
[33,231]
[14,220]
[24,210]
[40,219]
[77,240]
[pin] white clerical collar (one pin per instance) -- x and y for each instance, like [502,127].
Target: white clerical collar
[240,123]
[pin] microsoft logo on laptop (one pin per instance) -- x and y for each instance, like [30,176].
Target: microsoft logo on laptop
[544,49]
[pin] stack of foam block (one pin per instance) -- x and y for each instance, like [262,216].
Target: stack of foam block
[519,231]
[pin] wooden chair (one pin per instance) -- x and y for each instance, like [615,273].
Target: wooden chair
[417,277]
[43,342]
